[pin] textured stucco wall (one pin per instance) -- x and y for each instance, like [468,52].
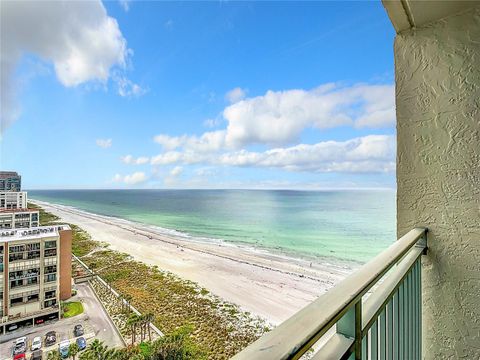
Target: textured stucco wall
[438,174]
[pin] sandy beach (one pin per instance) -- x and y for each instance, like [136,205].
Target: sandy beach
[269,285]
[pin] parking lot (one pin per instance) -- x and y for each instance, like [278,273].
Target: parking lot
[94,320]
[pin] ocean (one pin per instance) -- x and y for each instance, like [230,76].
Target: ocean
[349,225]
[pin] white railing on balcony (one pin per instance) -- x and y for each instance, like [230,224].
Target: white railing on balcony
[374,313]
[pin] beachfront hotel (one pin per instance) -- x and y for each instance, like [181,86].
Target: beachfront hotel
[35,274]
[35,262]
[427,304]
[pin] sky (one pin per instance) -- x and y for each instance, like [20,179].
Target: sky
[134,94]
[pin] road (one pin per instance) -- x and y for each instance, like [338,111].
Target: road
[94,319]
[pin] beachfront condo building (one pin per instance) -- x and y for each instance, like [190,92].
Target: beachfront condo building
[35,274]
[18,218]
[13,200]
[10,181]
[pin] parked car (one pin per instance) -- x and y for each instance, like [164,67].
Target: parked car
[36,343]
[37,355]
[20,346]
[63,348]
[50,338]
[78,330]
[39,321]
[19,357]
[12,327]
[82,343]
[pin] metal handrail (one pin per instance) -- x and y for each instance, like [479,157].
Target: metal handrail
[295,336]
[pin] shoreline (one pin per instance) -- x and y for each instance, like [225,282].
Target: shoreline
[272,286]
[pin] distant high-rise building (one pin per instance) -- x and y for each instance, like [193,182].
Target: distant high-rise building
[10,181]
[13,200]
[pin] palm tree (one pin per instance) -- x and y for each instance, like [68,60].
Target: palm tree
[54,355]
[143,327]
[73,350]
[97,349]
[133,321]
[150,318]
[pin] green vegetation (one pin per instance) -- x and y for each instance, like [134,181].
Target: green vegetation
[216,329]
[177,346]
[73,350]
[72,308]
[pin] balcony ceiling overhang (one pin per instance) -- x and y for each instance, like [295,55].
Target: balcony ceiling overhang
[407,14]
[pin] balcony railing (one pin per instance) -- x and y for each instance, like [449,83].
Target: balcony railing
[375,313]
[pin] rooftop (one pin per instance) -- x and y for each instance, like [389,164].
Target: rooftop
[32,233]
[7,174]
[18,210]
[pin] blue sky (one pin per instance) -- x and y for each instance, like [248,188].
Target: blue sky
[198,95]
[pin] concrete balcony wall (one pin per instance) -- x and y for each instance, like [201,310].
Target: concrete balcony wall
[437,71]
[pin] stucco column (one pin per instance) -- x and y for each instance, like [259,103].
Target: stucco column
[437,70]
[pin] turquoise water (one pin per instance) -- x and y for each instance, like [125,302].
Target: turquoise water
[346,225]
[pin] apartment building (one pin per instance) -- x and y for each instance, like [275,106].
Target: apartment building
[18,218]
[35,274]
[10,181]
[13,200]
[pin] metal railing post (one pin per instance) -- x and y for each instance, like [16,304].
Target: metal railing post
[350,325]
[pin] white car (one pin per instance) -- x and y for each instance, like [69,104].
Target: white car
[36,343]
[20,346]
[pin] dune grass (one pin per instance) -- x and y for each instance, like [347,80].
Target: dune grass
[218,329]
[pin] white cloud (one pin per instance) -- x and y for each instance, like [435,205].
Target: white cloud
[235,95]
[169,142]
[126,88]
[372,153]
[104,143]
[131,179]
[176,171]
[279,117]
[208,142]
[129,159]
[78,37]
[125,4]
[211,123]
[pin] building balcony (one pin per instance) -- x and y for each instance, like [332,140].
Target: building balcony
[374,313]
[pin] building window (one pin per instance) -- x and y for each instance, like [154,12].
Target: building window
[32,281]
[50,244]
[50,294]
[50,277]
[50,269]
[33,254]
[34,246]
[16,283]
[16,248]
[33,297]
[15,256]
[50,303]
[16,301]
[50,252]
